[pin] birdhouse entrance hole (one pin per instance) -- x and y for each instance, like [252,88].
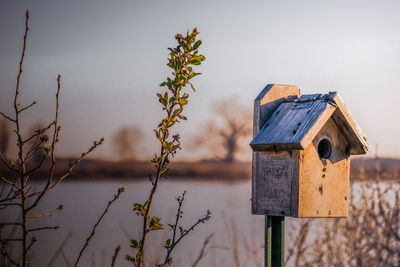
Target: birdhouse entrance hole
[324,149]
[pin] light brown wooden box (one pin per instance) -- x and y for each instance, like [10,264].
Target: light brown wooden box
[301,153]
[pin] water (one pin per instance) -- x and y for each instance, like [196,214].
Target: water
[83,203]
[238,236]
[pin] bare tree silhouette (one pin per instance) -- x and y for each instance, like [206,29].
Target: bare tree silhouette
[125,141]
[225,133]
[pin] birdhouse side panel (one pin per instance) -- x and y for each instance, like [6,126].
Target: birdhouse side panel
[325,174]
[272,182]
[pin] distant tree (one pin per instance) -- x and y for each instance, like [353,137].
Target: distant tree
[226,132]
[126,140]
[4,136]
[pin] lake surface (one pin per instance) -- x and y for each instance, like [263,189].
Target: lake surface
[84,202]
[238,235]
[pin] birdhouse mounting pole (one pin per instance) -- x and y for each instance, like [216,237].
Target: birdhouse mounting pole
[274,255]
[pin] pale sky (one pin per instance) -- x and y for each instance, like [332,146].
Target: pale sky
[112,56]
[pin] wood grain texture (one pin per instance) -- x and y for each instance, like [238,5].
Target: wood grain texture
[349,127]
[324,184]
[293,125]
[274,183]
[264,105]
[268,100]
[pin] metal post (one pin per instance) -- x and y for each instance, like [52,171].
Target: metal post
[274,255]
[267,245]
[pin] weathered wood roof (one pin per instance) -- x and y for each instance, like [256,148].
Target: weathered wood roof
[297,120]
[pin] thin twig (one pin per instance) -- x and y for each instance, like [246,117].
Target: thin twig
[33,241]
[203,251]
[44,228]
[38,165]
[172,244]
[59,249]
[6,117]
[52,148]
[10,183]
[116,196]
[118,248]
[25,108]
[2,159]
[59,208]
[69,172]
[65,258]
[39,132]
[2,189]
[7,256]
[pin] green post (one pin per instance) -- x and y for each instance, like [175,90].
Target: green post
[274,255]
[267,245]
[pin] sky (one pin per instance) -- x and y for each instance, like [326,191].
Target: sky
[112,55]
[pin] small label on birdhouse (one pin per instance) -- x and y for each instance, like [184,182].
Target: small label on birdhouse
[275,174]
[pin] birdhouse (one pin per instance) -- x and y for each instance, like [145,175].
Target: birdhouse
[301,153]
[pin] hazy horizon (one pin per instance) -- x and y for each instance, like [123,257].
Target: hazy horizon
[112,56]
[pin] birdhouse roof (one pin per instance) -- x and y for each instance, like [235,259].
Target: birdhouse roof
[297,120]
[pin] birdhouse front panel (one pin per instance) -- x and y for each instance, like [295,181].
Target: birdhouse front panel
[324,175]
[301,149]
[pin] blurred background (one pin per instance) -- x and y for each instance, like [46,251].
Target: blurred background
[112,56]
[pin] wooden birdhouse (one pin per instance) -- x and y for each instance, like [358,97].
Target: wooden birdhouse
[301,153]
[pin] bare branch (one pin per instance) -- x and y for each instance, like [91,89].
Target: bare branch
[2,189]
[10,183]
[2,159]
[39,132]
[44,228]
[203,251]
[33,241]
[65,258]
[16,195]
[30,105]
[170,245]
[118,248]
[35,147]
[49,187]
[52,148]
[27,148]
[7,256]
[38,165]
[21,61]
[59,249]
[116,196]
[6,117]
[59,208]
